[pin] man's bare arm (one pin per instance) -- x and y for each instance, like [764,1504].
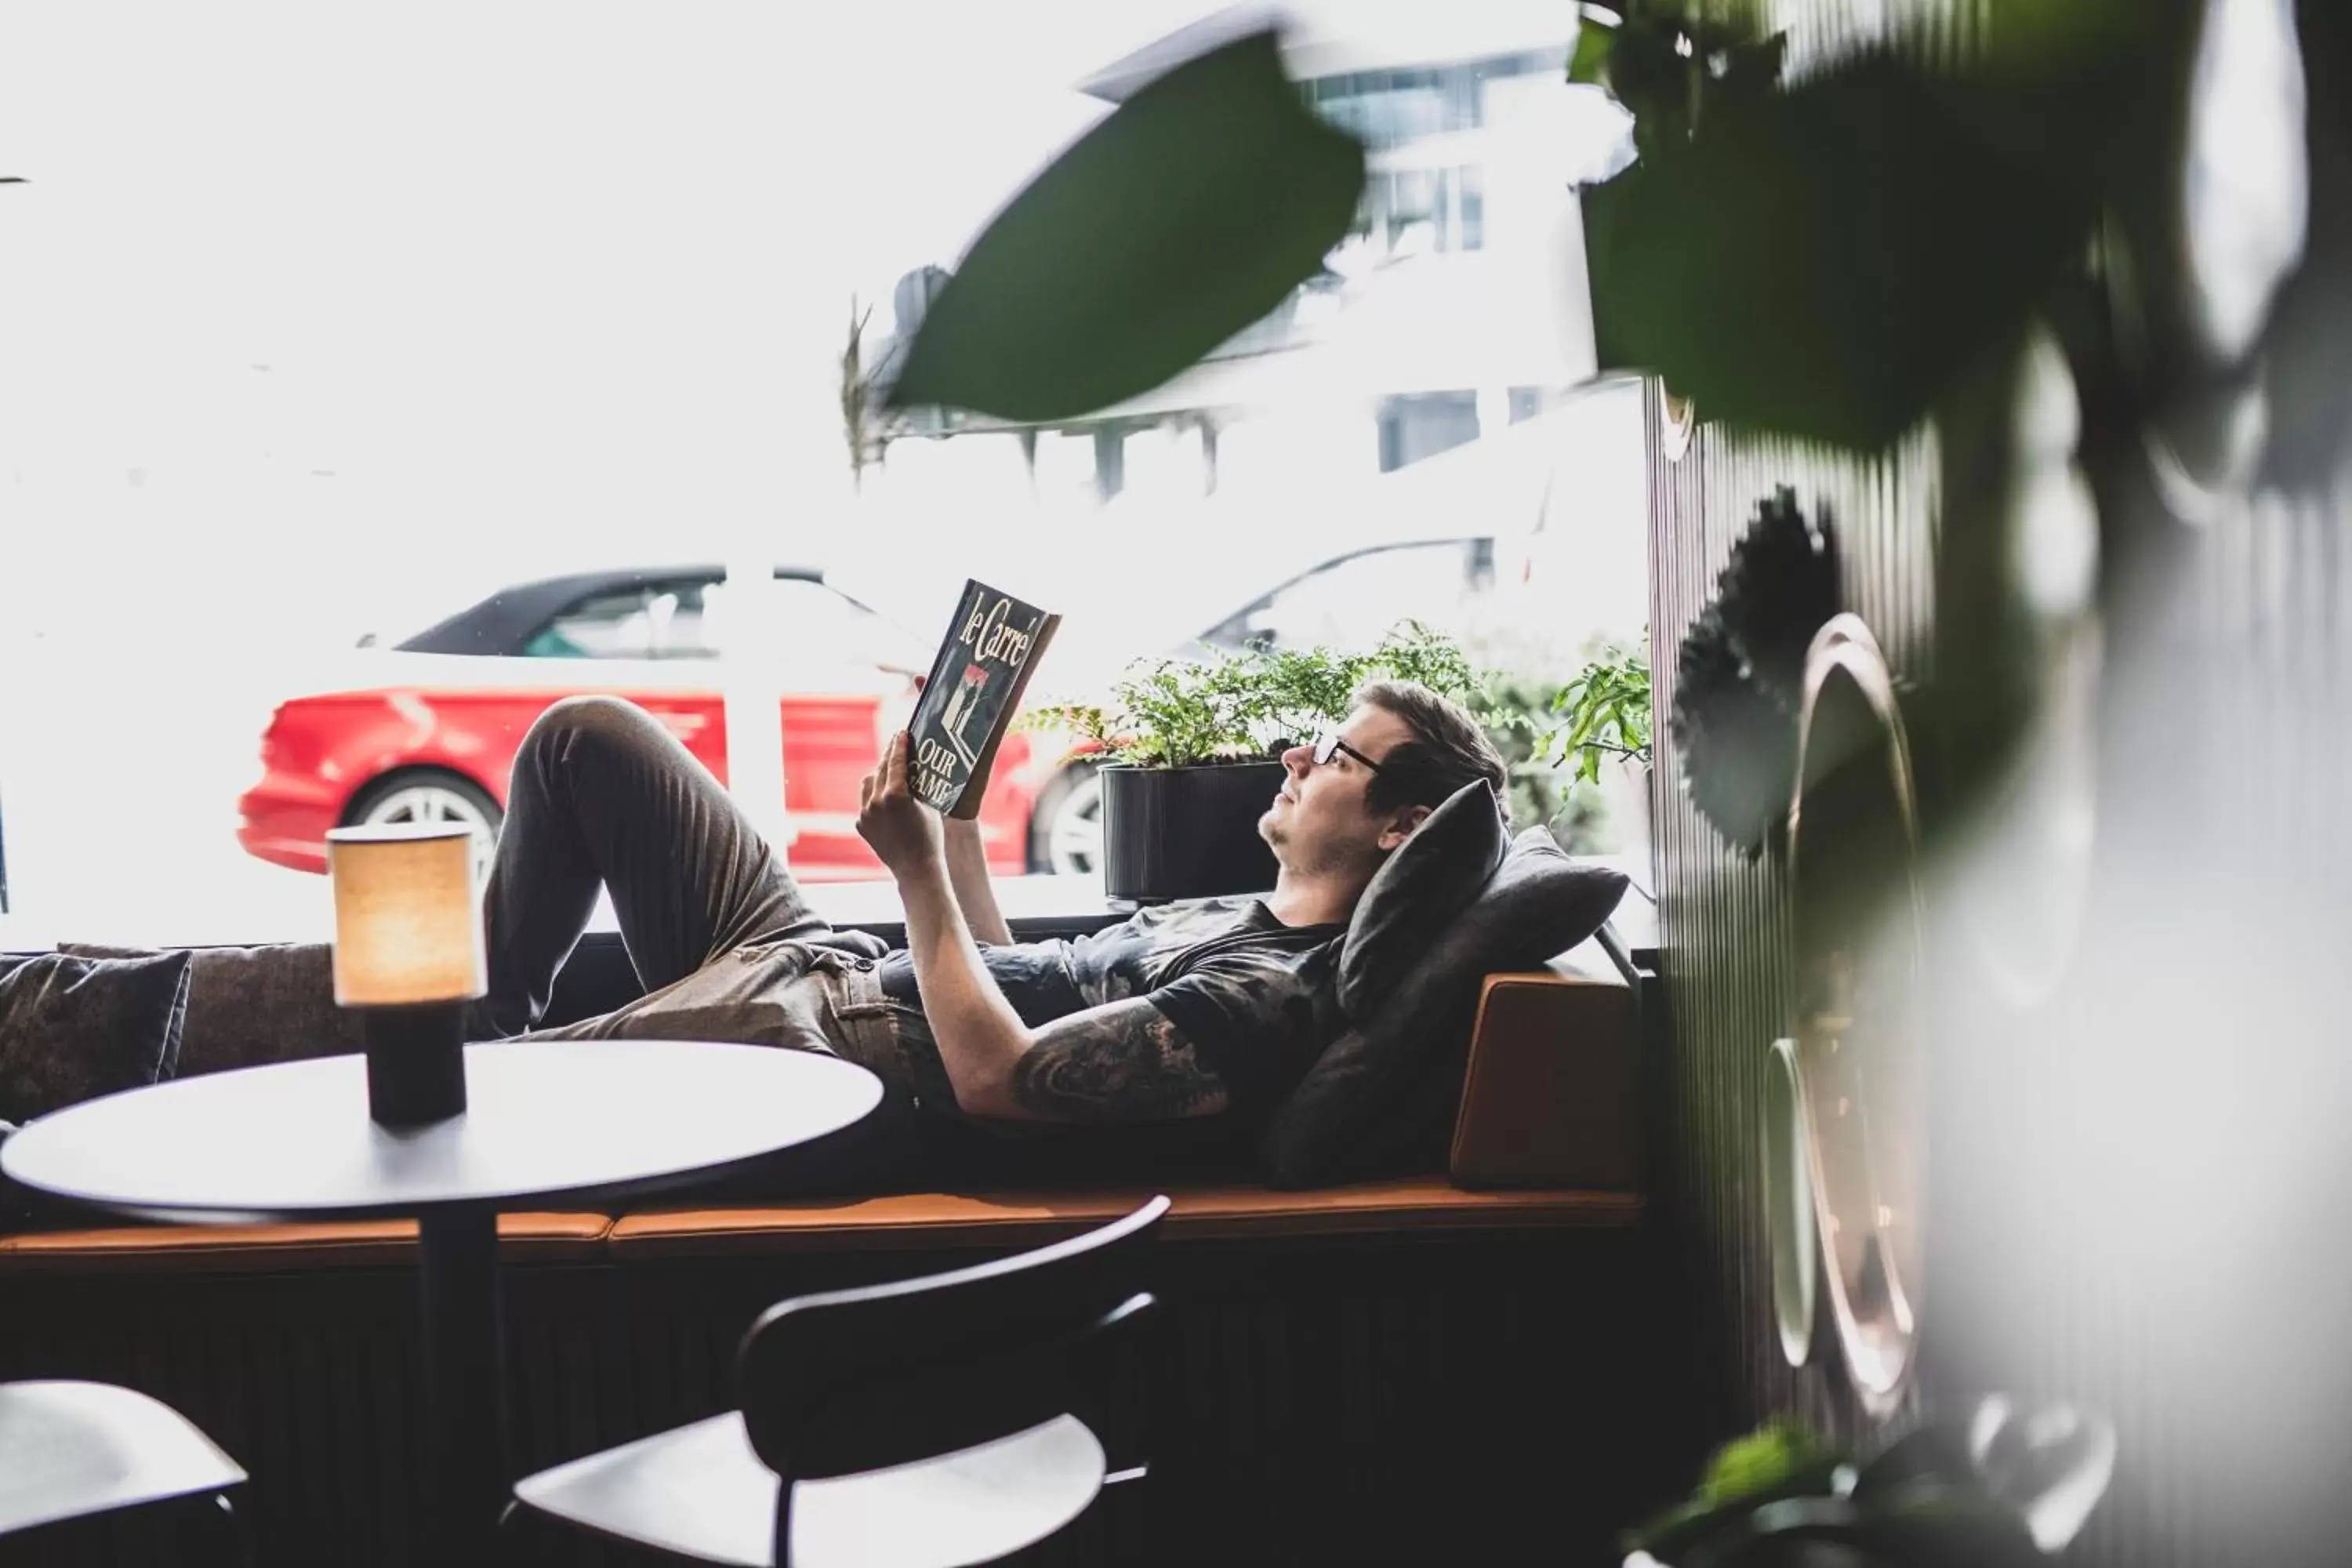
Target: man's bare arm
[1118,1063]
[980,1036]
[975,894]
[1121,1062]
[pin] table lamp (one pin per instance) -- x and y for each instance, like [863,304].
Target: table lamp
[408,957]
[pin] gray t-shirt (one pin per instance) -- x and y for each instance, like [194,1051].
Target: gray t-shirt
[1255,998]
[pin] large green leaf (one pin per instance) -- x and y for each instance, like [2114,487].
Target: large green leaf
[1188,214]
[1606,272]
[1589,66]
[1819,263]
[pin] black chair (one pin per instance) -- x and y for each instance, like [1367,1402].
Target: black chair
[76,1450]
[933,1422]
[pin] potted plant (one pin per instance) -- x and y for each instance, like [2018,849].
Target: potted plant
[1192,749]
[1184,774]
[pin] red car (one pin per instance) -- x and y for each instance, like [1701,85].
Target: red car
[428,732]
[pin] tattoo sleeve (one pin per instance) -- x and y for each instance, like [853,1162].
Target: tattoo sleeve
[1120,1062]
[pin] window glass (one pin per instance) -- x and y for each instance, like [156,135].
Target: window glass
[1425,424]
[691,620]
[818,624]
[1469,193]
[273,403]
[1389,109]
[1420,212]
[664,621]
[1352,603]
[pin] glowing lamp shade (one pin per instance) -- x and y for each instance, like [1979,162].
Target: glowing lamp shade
[407,932]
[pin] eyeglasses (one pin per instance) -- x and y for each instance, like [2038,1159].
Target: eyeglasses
[1330,746]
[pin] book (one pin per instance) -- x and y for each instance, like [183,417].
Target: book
[970,697]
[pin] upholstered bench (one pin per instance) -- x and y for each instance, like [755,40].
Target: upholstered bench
[1550,1111]
[906,1221]
[1354,1358]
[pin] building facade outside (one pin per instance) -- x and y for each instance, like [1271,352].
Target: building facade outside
[1454,309]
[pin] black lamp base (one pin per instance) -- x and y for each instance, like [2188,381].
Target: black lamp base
[416,1063]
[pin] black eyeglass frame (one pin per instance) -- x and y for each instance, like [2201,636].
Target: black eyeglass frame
[1328,745]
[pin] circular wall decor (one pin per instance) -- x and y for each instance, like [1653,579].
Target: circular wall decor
[1789,1204]
[1860,1032]
[2230,428]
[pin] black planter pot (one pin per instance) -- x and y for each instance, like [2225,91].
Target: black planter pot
[1187,833]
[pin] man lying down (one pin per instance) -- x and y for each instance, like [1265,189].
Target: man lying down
[1214,1008]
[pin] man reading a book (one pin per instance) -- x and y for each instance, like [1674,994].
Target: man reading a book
[1184,1010]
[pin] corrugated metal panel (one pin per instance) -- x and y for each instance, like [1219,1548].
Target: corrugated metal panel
[1724,920]
[2221,1367]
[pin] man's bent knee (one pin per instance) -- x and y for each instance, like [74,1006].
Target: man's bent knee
[566,723]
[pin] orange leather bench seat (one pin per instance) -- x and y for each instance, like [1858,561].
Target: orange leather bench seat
[904,1220]
[947,1219]
[268,1249]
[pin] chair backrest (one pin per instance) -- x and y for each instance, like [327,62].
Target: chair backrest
[847,1381]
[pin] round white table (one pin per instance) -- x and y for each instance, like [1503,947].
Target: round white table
[547,1122]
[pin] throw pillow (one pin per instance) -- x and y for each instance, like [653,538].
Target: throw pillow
[1423,888]
[249,1006]
[73,1029]
[1382,1097]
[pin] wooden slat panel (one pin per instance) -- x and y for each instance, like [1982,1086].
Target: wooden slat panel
[1339,1398]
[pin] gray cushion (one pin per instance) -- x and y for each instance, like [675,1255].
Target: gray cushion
[249,1006]
[1423,888]
[1382,1097]
[73,1029]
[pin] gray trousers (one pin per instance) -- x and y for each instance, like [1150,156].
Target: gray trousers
[721,936]
[603,797]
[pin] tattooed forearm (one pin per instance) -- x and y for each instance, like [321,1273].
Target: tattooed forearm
[1124,1062]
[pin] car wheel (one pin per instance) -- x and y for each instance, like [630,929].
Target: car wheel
[1066,833]
[431,796]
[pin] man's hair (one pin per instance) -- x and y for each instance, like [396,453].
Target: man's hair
[1449,749]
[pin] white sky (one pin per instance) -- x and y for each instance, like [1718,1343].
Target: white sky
[505,263]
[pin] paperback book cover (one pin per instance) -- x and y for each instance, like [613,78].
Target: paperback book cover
[971,693]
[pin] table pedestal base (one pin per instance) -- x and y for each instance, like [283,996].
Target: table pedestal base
[466,1382]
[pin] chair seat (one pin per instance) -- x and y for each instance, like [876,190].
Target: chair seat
[72,1449]
[700,1491]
